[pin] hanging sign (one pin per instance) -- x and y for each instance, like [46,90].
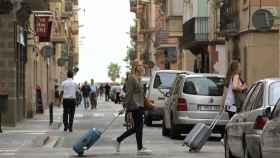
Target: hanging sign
[43,27]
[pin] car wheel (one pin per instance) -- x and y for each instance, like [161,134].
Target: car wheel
[228,153]
[165,131]
[174,131]
[148,121]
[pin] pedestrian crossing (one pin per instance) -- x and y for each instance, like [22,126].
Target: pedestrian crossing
[8,151]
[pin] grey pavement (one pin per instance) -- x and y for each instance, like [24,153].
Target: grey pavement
[34,138]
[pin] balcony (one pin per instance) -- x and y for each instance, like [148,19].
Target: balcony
[140,10]
[229,23]
[133,5]
[75,28]
[58,32]
[163,40]
[36,5]
[69,5]
[195,31]
[133,32]
[140,37]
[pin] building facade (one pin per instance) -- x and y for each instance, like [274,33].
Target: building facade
[36,51]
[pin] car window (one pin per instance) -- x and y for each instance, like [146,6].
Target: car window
[259,98]
[274,93]
[276,112]
[252,98]
[207,86]
[164,80]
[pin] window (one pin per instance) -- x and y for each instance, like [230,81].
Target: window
[276,112]
[274,93]
[253,97]
[164,80]
[259,99]
[207,86]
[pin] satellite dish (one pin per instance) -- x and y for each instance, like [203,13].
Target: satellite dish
[263,20]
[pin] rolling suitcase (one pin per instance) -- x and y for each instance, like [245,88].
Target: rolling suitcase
[90,138]
[200,133]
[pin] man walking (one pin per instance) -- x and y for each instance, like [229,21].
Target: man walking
[107,92]
[86,90]
[69,89]
[93,95]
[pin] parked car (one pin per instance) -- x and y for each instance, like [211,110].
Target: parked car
[261,99]
[193,98]
[114,90]
[160,83]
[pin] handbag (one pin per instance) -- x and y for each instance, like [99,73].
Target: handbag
[148,104]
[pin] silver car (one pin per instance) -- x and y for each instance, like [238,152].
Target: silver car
[192,99]
[248,124]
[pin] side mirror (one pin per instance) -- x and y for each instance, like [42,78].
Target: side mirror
[167,94]
[268,112]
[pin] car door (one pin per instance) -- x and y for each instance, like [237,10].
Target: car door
[270,140]
[237,125]
[175,95]
[169,104]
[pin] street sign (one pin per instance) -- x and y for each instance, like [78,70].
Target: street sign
[47,51]
[263,20]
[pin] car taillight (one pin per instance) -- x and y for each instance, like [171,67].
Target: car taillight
[260,122]
[182,104]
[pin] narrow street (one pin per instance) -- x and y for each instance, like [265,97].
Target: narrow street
[59,144]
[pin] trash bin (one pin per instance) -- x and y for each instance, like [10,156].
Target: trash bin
[3,103]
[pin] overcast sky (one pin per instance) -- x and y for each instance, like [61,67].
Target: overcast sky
[104,37]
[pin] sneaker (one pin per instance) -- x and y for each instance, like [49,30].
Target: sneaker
[222,141]
[144,151]
[117,145]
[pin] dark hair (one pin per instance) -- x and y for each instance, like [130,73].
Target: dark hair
[232,70]
[70,74]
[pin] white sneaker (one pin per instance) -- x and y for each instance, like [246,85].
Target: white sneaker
[222,141]
[144,151]
[117,145]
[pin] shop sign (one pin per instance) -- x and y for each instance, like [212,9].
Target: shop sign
[43,27]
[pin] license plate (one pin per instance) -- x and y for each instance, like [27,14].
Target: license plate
[209,108]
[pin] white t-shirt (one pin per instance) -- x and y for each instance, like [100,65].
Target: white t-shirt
[69,88]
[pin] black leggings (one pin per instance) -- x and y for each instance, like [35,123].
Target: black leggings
[137,128]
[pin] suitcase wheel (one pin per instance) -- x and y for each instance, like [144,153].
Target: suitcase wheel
[80,154]
[193,150]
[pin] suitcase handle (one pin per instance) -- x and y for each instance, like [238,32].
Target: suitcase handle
[216,119]
[110,124]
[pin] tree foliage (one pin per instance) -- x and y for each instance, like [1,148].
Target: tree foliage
[113,71]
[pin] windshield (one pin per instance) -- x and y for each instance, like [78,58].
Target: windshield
[274,93]
[207,86]
[164,80]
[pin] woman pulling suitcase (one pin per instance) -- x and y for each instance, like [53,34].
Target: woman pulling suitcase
[134,105]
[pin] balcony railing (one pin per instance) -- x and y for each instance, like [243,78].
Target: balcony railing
[195,30]
[229,23]
[163,40]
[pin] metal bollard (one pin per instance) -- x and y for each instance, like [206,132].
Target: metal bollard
[51,113]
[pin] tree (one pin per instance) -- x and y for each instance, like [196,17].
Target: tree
[114,71]
[130,54]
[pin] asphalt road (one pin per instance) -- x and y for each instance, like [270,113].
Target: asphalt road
[59,144]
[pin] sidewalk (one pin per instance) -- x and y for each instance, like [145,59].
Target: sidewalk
[30,132]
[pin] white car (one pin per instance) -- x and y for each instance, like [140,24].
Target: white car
[160,83]
[194,98]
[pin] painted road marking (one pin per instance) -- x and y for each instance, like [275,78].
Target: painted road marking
[7,152]
[98,114]
[116,114]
